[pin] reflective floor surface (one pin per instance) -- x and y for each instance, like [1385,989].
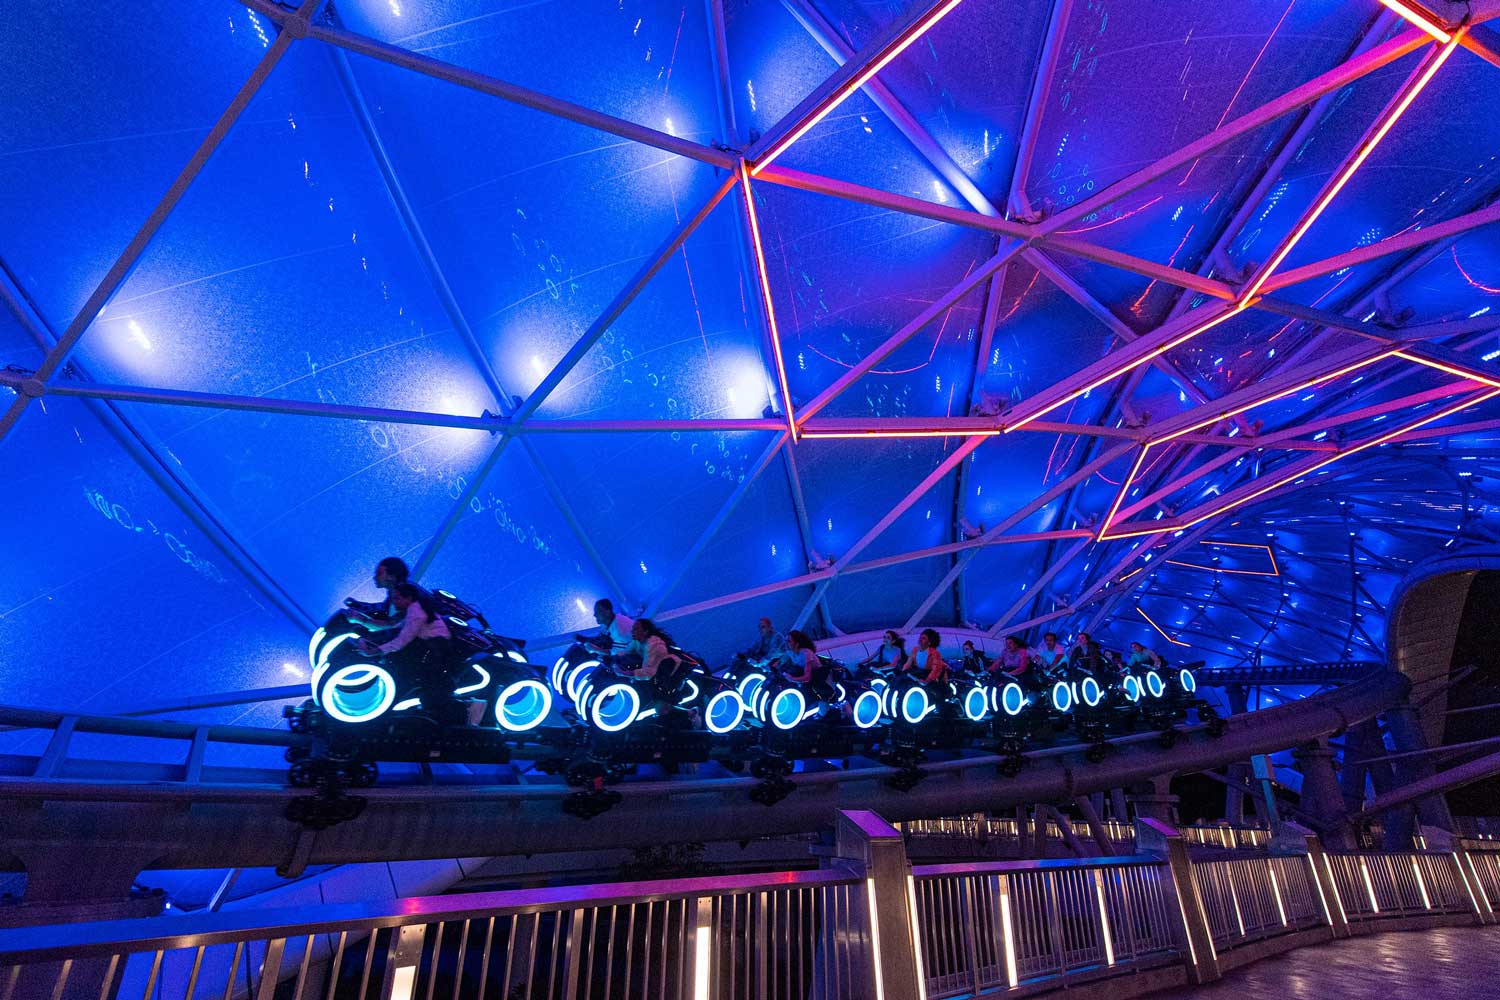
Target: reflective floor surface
[1450,963]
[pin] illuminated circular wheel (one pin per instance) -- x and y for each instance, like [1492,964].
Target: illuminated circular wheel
[916,705]
[867,710]
[613,707]
[1131,685]
[359,693]
[976,704]
[1155,685]
[1090,691]
[1062,697]
[724,712]
[787,708]
[1012,699]
[523,705]
[1188,682]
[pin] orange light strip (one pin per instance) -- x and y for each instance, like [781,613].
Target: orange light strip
[1158,529]
[1417,19]
[1238,308]
[1120,496]
[1451,370]
[765,298]
[1225,415]
[1275,570]
[863,77]
[1158,629]
[1350,167]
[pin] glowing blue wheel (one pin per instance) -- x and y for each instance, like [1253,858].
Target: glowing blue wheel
[359,693]
[916,705]
[614,707]
[1062,697]
[1187,680]
[1154,684]
[1012,699]
[522,706]
[1090,691]
[1131,685]
[867,710]
[787,708]
[976,704]
[724,712]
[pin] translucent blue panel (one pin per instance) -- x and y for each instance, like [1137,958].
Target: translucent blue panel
[1137,81]
[17,349]
[643,60]
[1161,395]
[1008,473]
[842,285]
[721,632]
[285,272]
[928,522]
[85,156]
[321,501]
[884,598]
[109,578]
[966,81]
[1132,298]
[774,63]
[513,555]
[759,543]
[1041,337]
[1461,282]
[687,347]
[850,485]
[998,577]
[536,223]
[645,498]
[1441,159]
[1339,131]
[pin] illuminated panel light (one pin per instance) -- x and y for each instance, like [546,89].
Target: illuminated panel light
[1225,508]
[916,936]
[1005,929]
[1333,884]
[1276,891]
[875,940]
[702,955]
[1422,884]
[895,48]
[1364,870]
[1234,897]
[483,682]
[1327,914]
[1350,167]
[1418,18]
[1469,886]
[1142,613]
[1274,571]
[1109,945]
[765,298]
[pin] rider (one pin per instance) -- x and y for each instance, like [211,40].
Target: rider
[926,661]
[1014,659]
[1050,656]
[390,573]
[1085,654]
[804,666]
[975,662]
[648,642]
[616,634]
[1142,658]
[769,644]
[890,655]
[423,644]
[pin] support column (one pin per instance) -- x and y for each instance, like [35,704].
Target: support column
[1090,812]
[1239,774]
[1321,797]
[1194,941]
[1119,809]
[1406,733]
[864,836]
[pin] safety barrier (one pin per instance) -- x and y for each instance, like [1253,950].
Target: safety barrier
[868,925]
[1004,830]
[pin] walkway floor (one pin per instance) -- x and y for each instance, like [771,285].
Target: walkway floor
[1449,963]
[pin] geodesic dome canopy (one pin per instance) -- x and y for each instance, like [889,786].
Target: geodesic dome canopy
[1168,320]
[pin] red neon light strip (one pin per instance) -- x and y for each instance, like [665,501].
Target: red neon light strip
[1158,529]
[854,83]
[1463,373]
[765,298]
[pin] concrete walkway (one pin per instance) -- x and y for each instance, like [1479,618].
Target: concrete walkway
[1449,963]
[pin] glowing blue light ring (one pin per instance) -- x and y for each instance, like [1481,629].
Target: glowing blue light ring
[692,694]
[375,675]
[787,720]
[1155,684]
[1131,685]
[758,706]
[1092,692]
[713,712]
[312,647]
[596,702]
[1187,680]
[1013,699]
[752,681]
[906,709]
[879,684]
[530,715]
[973,714]
[321,667]
[1062,697]
[841,693]
[559,671]
[890,701]
[470,689]
[576,678]
[862,717]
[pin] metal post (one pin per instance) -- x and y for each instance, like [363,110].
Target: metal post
[864,836]
[1194,939]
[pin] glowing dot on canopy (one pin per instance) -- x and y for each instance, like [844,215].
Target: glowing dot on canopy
[138,336]
[581,606]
